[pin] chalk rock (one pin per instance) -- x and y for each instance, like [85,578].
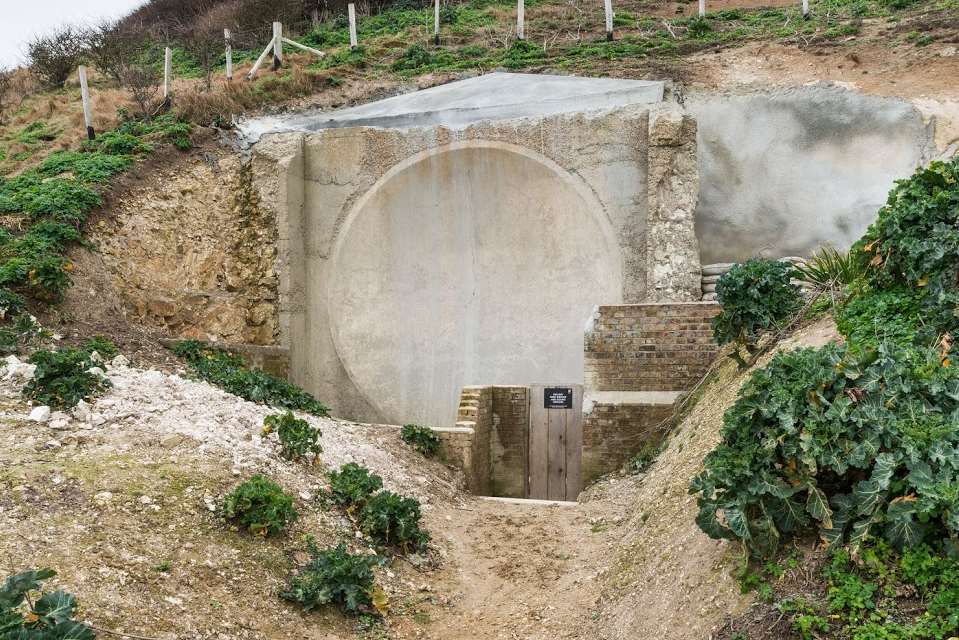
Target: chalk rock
[120,361]
[82,411]
[40,414]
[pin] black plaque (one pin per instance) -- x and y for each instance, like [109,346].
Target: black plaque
[558,398]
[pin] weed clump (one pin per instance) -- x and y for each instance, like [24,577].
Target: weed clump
[394,521]
[260,506]
[422,439]
[230,373]
[297,438]
[64,378]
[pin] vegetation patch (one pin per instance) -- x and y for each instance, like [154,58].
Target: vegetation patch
[47,617]
[353,484]
[423,439]
[297,438]
[336,576]
[63,378]
[231,373]
[260,506]
[394,521]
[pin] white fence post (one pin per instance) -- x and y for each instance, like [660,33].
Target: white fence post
[520,20]
[436,23]
[351,9]
[167,73]
[702,8]
[85,96]
[609,19]
[277,45]
[229,55]
[805,9]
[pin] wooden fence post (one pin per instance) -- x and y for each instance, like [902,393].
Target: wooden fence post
[805,9]
[85,96]
[436,23]
[351,9]
[315,17]
[609,19]
[167,73]
[229,55]
[277,45]
[702,8]
[520,20]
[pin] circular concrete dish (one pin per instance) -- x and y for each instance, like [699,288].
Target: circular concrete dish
[477,263]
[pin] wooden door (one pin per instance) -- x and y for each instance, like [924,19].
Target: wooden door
[555,441]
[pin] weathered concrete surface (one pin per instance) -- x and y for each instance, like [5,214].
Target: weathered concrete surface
[494,96]
[786,172]
[418,260]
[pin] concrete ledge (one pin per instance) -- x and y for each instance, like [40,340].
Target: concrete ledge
[632,397]
[531,502]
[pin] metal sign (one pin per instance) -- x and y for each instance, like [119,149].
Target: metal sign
[558,398]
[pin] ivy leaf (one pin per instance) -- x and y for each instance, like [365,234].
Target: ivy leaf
[818,507]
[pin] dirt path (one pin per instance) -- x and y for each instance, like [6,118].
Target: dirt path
[519,570]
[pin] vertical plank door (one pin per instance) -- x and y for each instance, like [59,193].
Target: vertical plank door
[538,440]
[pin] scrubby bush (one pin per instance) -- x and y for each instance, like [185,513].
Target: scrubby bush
[231,373]
[757,296]
[423,439]
[297,438]
[87,167]
[21,332]
[393,520]
[334,576]
[56,55]
[854,444]
[353,484]
[260,506]
[872,317]
[119,143]
[832,270]
[48,617]
[62,378]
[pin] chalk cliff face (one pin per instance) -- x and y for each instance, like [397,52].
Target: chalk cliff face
[191,251]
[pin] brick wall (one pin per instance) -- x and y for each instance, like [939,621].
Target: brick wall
[509,442]
[468,444]
[613,433]
[649,347]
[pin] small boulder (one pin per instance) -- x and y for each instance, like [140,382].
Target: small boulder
[120,361]
[40,414]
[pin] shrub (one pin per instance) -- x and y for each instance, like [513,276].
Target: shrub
[87,167]
[415,57]
[757,296]
[49,617]
[855,444]
[353,484]
[260,506]
[62,378]
[230,373]
[334,576]
[11,303]
[394,520]
[894,314]
[832,270]
[119,143]
[53,57]
[421,438]
[914,242]
[297,438]
[65,199]
[698,27]
[21,332]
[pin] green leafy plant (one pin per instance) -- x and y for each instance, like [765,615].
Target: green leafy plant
[297,438]
[260,506]
[21,332]
[62,378]
[102,345]
[353,484]
[643,459]
[757,296]
[832,270]
[394,520]
[230,372]
[334,576]
[423,439]
[852,443]
[48,617]
[893,314]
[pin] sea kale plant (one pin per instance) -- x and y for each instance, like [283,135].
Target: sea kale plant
[353,484]
[297,438]
[63,378]
[756,296]
[260,506]
[47,617]
[335,576]
[423,439]
[394,521]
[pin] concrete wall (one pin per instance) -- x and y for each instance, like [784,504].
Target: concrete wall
[786,172]
[415,262]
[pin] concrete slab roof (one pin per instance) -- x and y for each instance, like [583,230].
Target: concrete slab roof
[494,96]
